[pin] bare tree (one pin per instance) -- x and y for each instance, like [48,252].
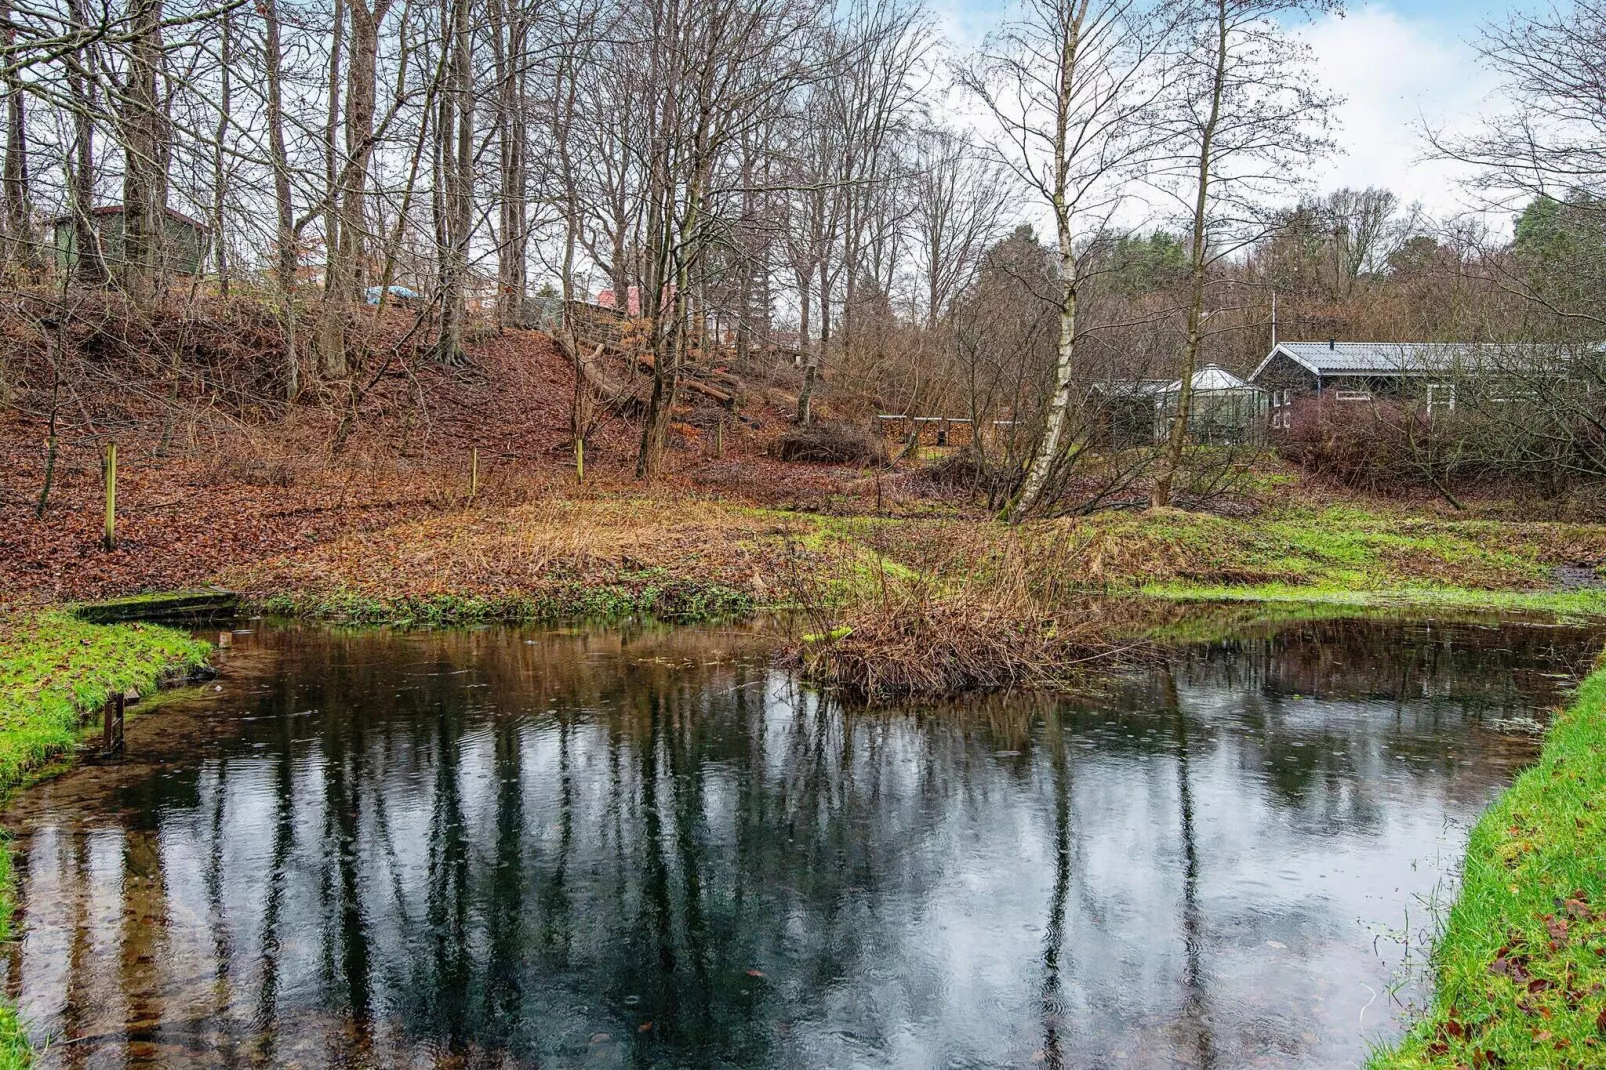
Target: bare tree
[1068,84]
[1247,115]
[958,201]
[711,72]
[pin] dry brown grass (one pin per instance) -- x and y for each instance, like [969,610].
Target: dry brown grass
[913,645]
[527,552]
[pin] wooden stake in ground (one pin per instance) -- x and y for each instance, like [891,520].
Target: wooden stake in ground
[579,459]
[473,472]
[50,468]
[719,438]
[111,496]
[111,723]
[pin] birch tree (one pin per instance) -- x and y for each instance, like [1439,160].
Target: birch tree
[1068,83]
[1244,120]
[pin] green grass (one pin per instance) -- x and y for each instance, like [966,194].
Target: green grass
[1521,966]
[1334,547]
[55,669]
[1564,604]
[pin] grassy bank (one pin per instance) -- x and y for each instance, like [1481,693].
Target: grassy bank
[680,559]
[54,669]
[1560,604]
[1521,967]
[871,582]
[558,556]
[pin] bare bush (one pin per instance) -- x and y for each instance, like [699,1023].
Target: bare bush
[913,644]
[831,444]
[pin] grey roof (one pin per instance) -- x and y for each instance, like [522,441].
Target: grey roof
[1211,377]
[1401,358]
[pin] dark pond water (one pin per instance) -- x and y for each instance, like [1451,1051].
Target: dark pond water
[645,848]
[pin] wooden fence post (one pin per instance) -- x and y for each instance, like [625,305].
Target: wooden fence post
[111,496]
[111,723]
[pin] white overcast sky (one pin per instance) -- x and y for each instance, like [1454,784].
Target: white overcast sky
[1399,64]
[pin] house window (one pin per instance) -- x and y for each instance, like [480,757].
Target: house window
[1441,398]
[1353,395]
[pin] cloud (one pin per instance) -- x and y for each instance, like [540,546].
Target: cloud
[1397,75]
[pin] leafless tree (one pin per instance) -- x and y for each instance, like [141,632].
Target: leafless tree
[1244,118]
[1068,83]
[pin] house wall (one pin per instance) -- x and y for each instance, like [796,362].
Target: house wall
[1285,374]
[184,246]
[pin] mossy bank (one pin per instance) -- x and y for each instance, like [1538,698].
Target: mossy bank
[54,670]
[1521,967]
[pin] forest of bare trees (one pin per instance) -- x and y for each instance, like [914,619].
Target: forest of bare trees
[1101,189]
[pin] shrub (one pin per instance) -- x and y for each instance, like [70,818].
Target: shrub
[917,643]
[831,444]
[968,469]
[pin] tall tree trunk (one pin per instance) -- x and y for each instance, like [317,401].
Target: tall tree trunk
[361,92]
[508,34]
[219,169]
[1059,403]
[805,288]
[88,268]
[20,248]
[286,260]
[1160,495]
[811,370]
[145,156]
[332,323]
[458,172]
[665,325]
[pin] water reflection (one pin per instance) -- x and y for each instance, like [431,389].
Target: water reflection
[502,848]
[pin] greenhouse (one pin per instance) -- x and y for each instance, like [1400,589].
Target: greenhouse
[1224,410]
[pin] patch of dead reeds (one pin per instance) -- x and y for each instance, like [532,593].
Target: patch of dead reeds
[913,645]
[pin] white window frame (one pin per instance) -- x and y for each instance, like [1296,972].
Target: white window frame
[1436,399]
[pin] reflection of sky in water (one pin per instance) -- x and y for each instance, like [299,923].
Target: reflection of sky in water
[583,850]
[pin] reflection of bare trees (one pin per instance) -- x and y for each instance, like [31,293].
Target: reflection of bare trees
[1054,941]
[1195,1011]
[479,843]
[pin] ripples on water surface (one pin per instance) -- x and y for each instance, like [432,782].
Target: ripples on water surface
[507,848]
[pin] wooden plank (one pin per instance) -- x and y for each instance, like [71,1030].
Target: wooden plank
[170,605]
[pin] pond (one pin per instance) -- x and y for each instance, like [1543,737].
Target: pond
[645,847]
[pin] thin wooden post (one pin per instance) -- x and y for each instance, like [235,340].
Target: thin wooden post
[111,495]
[579,459]
[719,437]
[111,723]
[50,471]
[473,472]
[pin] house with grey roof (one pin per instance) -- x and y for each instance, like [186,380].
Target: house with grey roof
[1389,368]
[1429,372]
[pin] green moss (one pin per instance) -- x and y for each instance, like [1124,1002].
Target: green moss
[646,595]
[55,668]
[1521,967]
